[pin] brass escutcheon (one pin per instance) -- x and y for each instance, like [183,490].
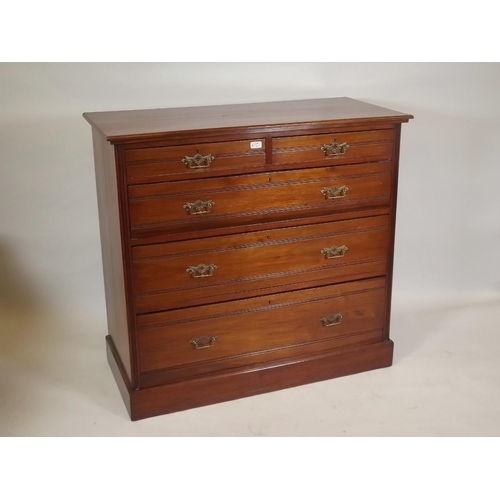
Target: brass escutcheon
[203,342]
[332,319]
[201,270]
[334,192]
[199,207]
[334,149]
[334,252]
[198,160]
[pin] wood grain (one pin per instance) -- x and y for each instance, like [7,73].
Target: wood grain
[375,145]
[165,163]
[110,222]
[270,322]
[256,198]
[270,218]
[257,379]
[256,263]
[154,124]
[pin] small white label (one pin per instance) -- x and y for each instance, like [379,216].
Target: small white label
[256,145]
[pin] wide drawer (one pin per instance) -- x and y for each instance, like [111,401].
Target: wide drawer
[246,199]
[193,160]
[208,270]
[336,148]
[276,326]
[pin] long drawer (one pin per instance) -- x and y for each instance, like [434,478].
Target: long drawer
[187,273]
[334,149]
[248,199]
[271,326]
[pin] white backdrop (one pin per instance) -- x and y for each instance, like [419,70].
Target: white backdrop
[448,229]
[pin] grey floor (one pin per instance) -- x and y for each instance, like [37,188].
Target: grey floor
[445,381]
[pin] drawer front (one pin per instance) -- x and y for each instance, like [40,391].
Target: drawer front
[208,270]
[269,323]
[203,204]
[338,148]
[193,160]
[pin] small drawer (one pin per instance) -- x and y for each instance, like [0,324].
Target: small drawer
[193,160]
[249,199]
[317,318]
[188,273]
[337,148]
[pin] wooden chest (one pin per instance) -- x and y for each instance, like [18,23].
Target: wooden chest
[246,248]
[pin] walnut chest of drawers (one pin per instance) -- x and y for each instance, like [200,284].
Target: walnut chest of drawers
[246,248]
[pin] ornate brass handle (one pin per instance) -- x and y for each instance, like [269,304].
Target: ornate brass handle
[334,252]
[335,192]
[199,207]
[331,319]
[203,342]
[334,149]
[201,270]
[198,160]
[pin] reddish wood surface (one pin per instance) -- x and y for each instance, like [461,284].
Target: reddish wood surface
[151,124]
[252,380]
[110,222]
[257,262]
[392,233]
[271,322]
[363,146]
[174,374]
[119,373]
[265,233]
[162,237]
[254,198]
[160,164]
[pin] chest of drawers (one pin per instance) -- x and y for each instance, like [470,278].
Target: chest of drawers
[246,248]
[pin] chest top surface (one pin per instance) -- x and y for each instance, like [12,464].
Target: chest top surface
[130,126]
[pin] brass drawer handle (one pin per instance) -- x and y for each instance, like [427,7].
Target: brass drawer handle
[198,160]
[203,342]
[334,252]
[334,149]
[334,192]
[199,207]
[201,270]
[332,319]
